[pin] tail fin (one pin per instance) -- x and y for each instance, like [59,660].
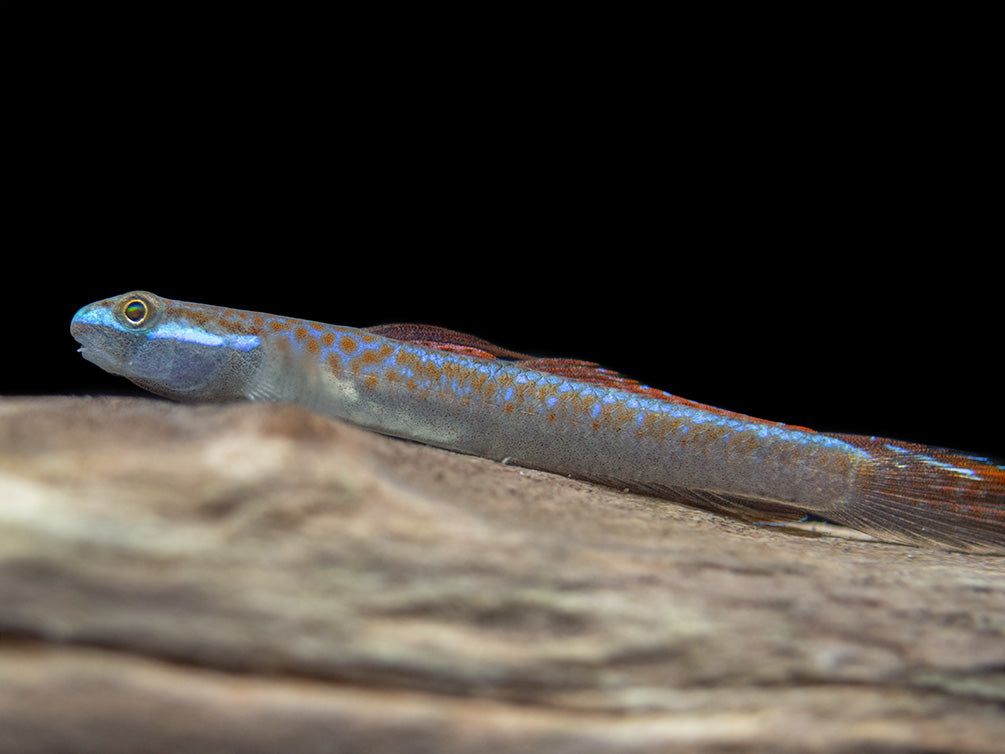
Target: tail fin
[920,494]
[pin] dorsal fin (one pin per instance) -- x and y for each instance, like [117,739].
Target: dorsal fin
[588,371]
[443,339]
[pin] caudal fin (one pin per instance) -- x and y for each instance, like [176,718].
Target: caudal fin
[924,495]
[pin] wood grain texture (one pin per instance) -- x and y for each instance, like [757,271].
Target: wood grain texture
[257,578]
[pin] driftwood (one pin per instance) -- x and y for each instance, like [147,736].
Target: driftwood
[254,578]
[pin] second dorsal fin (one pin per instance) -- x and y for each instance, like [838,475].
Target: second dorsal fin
[588,371]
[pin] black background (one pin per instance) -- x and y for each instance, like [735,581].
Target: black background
[816,247]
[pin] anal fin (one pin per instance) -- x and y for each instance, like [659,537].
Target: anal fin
[749,509]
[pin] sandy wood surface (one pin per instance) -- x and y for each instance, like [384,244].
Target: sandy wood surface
[255,578]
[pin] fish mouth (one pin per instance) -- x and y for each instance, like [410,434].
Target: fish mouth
[101,359]
[94,352]
[99,343]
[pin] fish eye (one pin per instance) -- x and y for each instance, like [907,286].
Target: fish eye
[135,311]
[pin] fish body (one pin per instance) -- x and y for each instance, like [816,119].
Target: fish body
[566,416]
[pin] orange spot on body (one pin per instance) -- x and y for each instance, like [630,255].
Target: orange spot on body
[334,363]
[370,357]
[197,317]
[328,339]
[347,344]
